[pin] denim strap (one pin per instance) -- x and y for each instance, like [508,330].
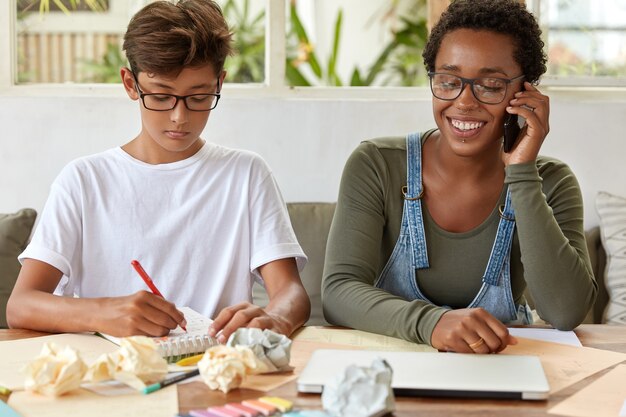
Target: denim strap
[413,202]
[502,245]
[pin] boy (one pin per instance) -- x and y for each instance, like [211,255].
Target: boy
[202,219]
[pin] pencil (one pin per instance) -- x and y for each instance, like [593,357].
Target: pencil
[192,360]
[170,381]
[146,278]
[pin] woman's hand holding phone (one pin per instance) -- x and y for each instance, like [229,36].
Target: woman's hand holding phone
[534,107]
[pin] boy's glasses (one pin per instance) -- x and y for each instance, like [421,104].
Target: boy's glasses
[487,90]
[165,102]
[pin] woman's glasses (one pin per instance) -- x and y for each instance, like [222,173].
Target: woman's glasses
[488,90]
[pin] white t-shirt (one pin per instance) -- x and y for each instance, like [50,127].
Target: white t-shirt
[200,227]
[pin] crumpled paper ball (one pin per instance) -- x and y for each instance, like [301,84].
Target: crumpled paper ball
[272,349]
[360,391]
[224,367]
[55,371]
[136,363]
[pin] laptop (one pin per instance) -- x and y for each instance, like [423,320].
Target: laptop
[433,374]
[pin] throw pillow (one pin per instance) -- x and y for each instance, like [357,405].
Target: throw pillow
[612,212]
[15,232]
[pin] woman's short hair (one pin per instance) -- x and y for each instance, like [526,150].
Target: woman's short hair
[164,38]
[508,17]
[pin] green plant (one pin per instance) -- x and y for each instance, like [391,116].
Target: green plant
[400,61]
[106,70]
[64,5]
[248,64]
[26,7]
[301,51]
[249,41]
[23,75]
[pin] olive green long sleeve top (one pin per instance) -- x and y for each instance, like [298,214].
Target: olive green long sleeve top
[549,254]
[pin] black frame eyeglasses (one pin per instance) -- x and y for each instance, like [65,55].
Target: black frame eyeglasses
[487,90]
[167,102]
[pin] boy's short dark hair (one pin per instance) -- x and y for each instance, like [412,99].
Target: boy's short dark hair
[508,17]
[164,38]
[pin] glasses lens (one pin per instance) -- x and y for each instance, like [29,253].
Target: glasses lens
[194,102]
[489,90]
[445,86]
[159,101]
[201,102]
[486,90]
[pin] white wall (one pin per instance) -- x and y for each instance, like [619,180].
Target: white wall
[305,141]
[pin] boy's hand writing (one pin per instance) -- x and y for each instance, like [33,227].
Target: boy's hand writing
[141,313]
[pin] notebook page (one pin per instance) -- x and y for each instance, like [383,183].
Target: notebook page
[197,325]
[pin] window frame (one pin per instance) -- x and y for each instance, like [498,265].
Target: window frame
[274,86]
[574,81]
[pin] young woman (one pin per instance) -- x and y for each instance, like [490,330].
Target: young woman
[437,235]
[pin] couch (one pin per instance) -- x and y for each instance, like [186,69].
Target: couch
[15,230]
[311,223]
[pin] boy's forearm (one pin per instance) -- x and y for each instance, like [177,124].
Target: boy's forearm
[42,311]
[291,307]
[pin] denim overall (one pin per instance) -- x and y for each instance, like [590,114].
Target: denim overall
[410,253]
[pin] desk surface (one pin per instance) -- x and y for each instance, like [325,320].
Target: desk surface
[197,395]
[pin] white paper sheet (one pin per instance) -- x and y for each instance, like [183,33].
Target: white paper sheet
[161,403]
[547,335]
[602,398]
[16,354]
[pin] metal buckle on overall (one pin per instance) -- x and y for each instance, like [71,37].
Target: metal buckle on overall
[501,210]
[405,192]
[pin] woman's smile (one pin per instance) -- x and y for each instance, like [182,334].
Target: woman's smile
[465,128]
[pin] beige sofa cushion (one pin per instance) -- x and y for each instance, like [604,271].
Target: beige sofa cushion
[311,223]
[15,229]
[612,212]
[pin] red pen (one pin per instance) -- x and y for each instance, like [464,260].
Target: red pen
[146,278]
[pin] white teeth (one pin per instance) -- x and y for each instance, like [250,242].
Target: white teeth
[466,125]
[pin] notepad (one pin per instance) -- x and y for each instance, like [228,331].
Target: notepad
[179,344]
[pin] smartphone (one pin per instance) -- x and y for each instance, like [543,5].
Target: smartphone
[512,128]
[513,125]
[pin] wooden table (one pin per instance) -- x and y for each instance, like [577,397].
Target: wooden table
[197,395]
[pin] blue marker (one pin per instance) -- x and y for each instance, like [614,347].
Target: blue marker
[6,411]
[170,381]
